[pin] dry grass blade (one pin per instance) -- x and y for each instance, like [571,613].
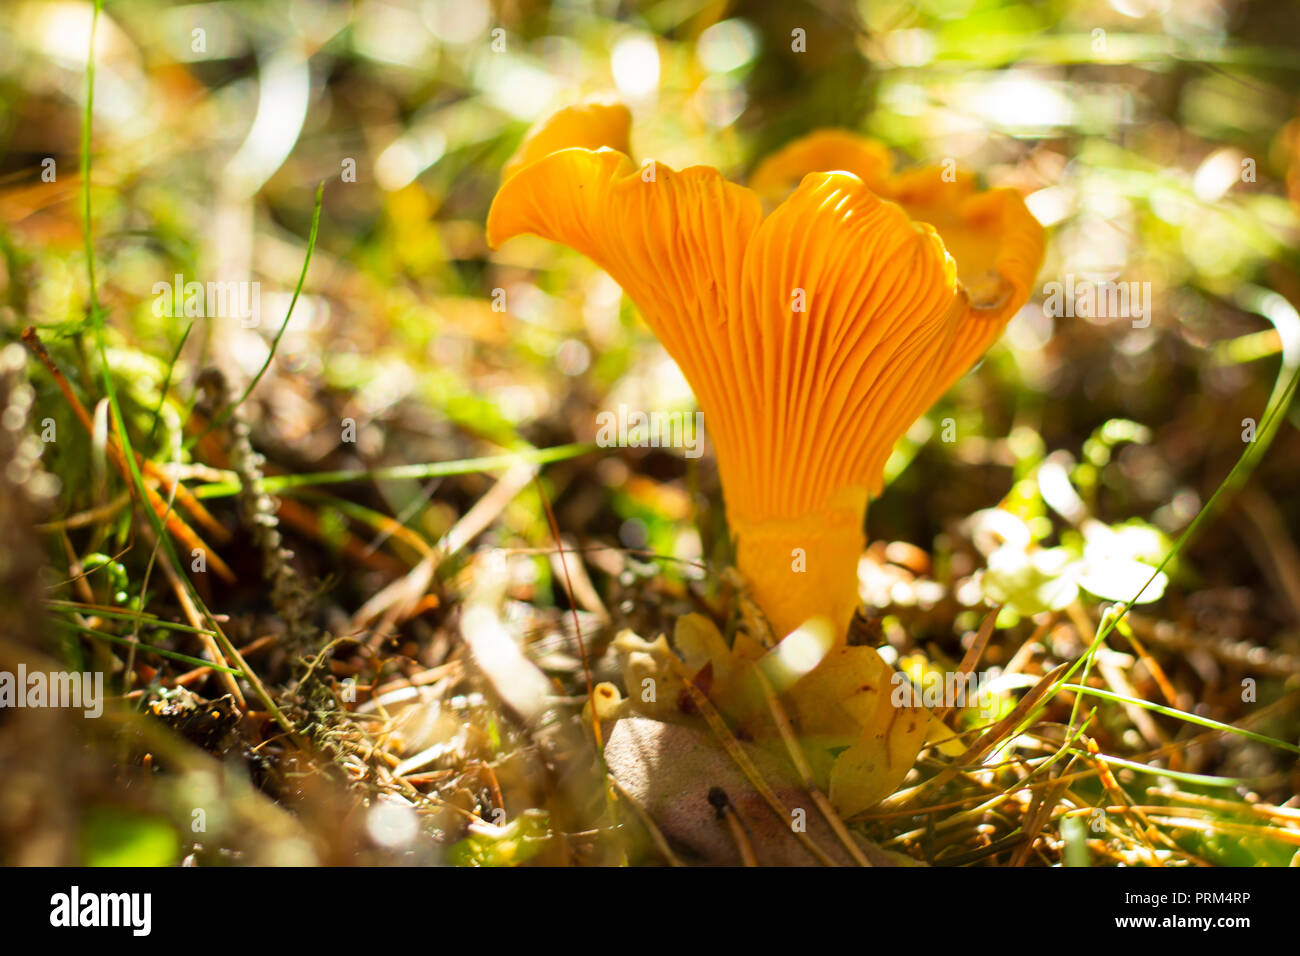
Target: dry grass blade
[656,835]
[397,601]
[196,621]
[973,654]
[1121,798]
[986,742]
[1040,812]
[800,761]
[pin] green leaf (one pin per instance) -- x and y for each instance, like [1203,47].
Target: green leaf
[517,842]
[113,837]
[1030,582]
[1124,580]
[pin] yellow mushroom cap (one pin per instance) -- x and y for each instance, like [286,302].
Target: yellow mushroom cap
[813,337]
[589,125]
[826,150]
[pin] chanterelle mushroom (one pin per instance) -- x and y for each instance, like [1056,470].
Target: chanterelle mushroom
[813,337]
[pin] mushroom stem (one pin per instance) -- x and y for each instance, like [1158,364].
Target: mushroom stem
[806,566]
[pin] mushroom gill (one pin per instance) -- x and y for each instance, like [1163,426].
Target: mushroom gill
[813,337]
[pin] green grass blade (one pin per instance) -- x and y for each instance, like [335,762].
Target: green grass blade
[1278,404]
[229,410]
[1200,779]
[140,645]
[1182,715]
[167,384]
[115,410]
[277,484]
[139,617]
